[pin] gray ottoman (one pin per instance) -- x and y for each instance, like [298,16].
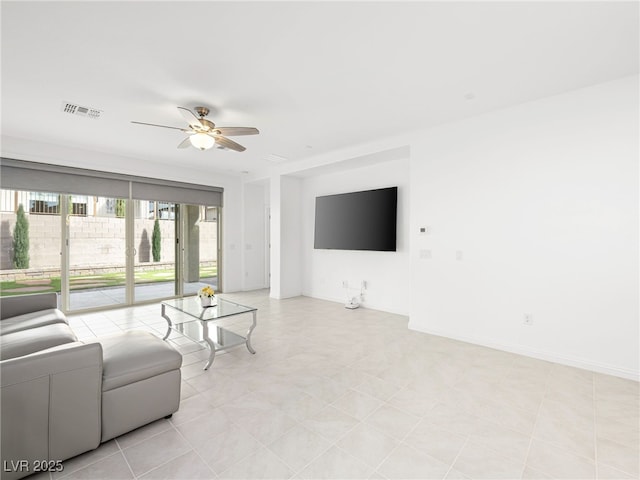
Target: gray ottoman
[140,381]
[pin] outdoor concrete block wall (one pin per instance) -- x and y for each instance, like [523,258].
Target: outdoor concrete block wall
[144,231]
[96,241]
[44,240]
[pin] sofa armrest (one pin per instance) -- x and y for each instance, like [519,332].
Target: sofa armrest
[21,304]
[51,404]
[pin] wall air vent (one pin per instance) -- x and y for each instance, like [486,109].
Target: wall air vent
[74,109]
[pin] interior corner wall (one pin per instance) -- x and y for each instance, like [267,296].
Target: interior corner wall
[231,265]
[386,274]
[274,235]
[286,231]
[533,210]
[254,207]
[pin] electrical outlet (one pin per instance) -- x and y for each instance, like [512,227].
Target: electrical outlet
[528,319]
[345,284]
[364,284]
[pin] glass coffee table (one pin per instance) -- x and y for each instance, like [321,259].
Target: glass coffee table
[198,323]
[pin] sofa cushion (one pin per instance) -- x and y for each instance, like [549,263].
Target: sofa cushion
[135,355]
[24,342]
[15,305]
[31,320]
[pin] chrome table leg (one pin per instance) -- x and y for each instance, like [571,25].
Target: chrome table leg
[253,325]
[212,347]
[166,317]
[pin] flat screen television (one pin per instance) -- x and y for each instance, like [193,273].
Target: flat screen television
[357,221]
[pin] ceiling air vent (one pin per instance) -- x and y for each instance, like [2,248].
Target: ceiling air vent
[273,158]
[74,109]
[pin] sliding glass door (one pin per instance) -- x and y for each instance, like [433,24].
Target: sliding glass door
[199,248]
[99,251]
[154,250]
[31,236]
[103,239]
[96,230]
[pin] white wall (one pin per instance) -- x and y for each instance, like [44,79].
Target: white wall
[386,273]
[274,231]
[291,247]
[254,236]
[542,201]
[286,231]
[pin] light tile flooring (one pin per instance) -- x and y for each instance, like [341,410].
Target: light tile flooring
[337,393]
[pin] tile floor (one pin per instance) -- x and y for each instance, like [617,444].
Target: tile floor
[336,393]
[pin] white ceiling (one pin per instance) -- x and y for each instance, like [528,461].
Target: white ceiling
[313,76]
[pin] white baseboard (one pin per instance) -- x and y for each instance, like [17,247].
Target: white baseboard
[517,349]
[365,304]
[284,296]
[539,354]
[251,288]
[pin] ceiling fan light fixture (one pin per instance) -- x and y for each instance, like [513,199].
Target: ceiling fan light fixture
[202,141]
[203,134]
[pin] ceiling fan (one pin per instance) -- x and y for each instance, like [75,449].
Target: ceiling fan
[203,133]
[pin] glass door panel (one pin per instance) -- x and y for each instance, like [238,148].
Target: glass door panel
[97,251]
[31,237]
[154,250]
[200,248]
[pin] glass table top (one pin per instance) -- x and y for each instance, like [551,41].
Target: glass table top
[221,308]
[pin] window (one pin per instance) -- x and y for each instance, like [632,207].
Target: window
[44,203]
[166,211]
[210,214]
[78,205]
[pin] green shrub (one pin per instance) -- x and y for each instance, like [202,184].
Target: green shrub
[155,241]
[21,240]
[120,207]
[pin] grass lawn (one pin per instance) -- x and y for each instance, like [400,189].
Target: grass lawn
[103,280]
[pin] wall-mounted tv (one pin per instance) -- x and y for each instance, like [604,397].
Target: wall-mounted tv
[357,221]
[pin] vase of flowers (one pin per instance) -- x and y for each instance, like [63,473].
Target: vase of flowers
[206,294]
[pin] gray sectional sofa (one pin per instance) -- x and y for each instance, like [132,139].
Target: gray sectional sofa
[60,397]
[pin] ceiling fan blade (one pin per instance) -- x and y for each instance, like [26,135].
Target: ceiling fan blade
[230,144]
[236,131]
[163,126]
[190,117]
[186,143]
